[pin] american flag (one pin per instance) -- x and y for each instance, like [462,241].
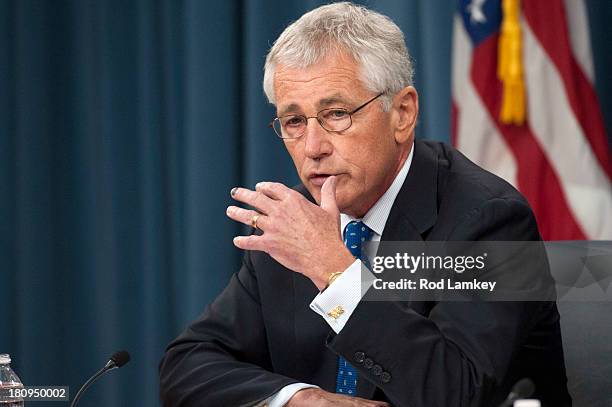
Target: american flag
[557,154]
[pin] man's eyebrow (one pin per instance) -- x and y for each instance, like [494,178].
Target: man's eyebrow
[292,108]
[335,99]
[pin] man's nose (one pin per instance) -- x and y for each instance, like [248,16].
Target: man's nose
[317,140]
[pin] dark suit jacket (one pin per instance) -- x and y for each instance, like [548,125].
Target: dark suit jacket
[260,335]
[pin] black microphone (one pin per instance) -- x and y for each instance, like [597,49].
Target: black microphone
[116,361]
[521,390]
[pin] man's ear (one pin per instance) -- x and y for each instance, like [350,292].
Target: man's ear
[405,109]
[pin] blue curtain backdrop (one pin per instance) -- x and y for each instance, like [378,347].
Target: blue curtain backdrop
[123,126]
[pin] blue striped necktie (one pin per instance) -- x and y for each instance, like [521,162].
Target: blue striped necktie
[355,233]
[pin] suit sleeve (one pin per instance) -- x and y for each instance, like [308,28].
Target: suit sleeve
[460,350]
[222,358]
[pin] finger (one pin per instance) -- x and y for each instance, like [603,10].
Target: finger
[253,198]
[252,242]
[328,196]
[274,190]
[246,216]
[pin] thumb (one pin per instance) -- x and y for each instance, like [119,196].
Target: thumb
[328,196]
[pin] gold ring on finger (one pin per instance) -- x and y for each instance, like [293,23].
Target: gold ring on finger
[254,220]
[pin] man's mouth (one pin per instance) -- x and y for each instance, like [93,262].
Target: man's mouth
[319,179]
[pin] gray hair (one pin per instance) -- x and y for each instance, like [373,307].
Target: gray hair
[374,41]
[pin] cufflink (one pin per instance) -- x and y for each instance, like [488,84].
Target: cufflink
[336,312]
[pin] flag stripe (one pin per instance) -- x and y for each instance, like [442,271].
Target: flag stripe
[548,23]
[474,127]
[536,177]
[585,185]
[580,40]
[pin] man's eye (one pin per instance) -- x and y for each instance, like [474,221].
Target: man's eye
[293,121]
[335,114]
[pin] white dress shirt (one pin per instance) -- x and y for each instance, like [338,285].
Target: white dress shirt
[345,292]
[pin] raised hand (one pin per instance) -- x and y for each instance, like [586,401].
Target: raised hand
[298,234]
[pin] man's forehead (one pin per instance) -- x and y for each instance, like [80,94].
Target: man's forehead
[334,62]
[332,80]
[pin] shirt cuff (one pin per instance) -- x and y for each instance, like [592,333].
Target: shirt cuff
[284,395]
[338,301]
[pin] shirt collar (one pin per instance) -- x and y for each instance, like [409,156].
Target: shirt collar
[376,217]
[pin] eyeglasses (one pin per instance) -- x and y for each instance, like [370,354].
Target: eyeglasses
[334,120]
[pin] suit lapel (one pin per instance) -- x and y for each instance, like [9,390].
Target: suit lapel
[415,208]
[413,213]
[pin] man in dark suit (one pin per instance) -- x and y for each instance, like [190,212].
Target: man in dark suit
[291,328]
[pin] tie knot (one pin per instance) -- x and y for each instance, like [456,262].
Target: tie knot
[355,233]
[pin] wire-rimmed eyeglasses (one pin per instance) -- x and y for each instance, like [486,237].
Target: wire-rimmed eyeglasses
[334,120]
